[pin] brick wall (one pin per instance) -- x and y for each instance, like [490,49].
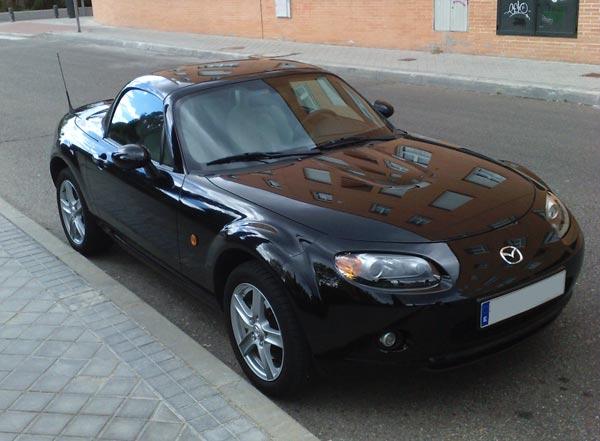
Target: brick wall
[371,23]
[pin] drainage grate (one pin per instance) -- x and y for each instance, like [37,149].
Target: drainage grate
[407,59]
[592,75]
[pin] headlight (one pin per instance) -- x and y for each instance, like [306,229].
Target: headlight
[557,215]
[387,270]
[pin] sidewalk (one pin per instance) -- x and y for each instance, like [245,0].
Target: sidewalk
[527,78]
[81,357]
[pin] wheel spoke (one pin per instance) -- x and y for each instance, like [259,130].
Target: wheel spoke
[258,303]
[272,336]
[266,360]
[244,313]
[66,207]
[77,221]
[69,193]
[246,344]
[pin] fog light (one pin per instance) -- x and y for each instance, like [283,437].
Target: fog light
[388,339]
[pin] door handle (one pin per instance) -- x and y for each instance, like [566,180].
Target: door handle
[100,160]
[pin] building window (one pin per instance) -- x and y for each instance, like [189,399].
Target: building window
[485,178]
[413,154]
[450,200]
[314,174]
[552,18]
[380,209]
[322,196]
[283,8]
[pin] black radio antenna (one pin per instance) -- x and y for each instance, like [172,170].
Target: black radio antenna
[62,74]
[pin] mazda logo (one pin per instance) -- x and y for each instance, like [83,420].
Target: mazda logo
[511,255]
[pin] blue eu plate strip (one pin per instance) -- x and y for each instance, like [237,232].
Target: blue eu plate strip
[485,314]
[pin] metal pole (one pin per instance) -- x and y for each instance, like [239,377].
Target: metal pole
[12,14]
[83,7]
[55,7]
[75,3]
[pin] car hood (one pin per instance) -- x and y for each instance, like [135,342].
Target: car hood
[406,190]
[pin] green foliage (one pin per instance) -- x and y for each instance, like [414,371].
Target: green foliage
[2,6]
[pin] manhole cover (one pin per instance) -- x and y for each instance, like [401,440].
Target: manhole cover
[592,75]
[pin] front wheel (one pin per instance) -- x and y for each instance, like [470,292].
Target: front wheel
[264,332]
[79,225]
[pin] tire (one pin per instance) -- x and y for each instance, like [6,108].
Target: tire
[293,364]
[87,237]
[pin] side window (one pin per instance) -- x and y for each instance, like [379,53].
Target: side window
[139,119]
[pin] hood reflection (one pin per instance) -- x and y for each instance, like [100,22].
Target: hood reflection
[436,192]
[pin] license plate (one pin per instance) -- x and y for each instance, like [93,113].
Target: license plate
[521,300]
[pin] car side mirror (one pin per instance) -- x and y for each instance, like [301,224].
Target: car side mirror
[384,108]
[131,156]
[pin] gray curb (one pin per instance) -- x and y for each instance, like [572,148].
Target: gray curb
[278,424]
[473,84]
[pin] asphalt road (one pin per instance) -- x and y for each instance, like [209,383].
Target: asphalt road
[547,388]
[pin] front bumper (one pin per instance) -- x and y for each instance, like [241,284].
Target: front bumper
[446,332]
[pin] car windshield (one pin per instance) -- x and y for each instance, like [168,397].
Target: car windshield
[286,113]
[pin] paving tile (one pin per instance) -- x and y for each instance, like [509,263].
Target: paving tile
[19,380]
[100,367]
[32,401]
[22,347]
[7,436]
[85,385]
[30,437]
[191,412]
[7,397]
[102,405]
[123,429]
[53,348]
[163,413]
[118,386]
[239,425]
[82,350]
[24,318]
[159,431]
[35,364]
[138,408]
[225,414]
[252,435]
[49,424]
[9,362]
[217,434]
[204,422]
[38,306]
[69,367]
[15,422]
[87,426]
[189,435]
[67,403]
[143,391]
[51,382]
[38,332]
[68,333]
[213,403]
[12,331]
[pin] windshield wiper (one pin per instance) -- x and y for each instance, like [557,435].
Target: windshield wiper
[352,140]
[258,156]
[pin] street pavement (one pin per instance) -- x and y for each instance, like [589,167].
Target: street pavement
[554,81]
[74,365]
[548,388]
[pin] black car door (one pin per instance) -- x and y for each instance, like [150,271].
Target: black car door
[139,206]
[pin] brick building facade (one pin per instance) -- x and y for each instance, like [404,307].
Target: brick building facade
[564,30]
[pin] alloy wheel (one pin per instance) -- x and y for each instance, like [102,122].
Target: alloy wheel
[257,331]
[71,210]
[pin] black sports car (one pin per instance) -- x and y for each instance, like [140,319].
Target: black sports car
[276,189]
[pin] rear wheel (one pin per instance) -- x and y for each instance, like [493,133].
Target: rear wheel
[264,332]
[79,225]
